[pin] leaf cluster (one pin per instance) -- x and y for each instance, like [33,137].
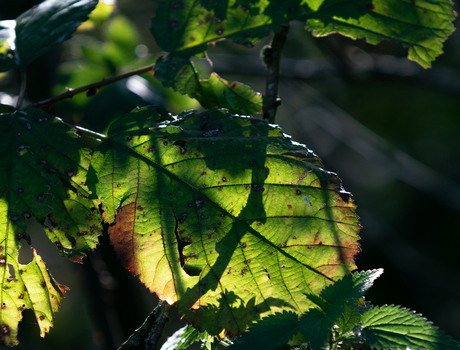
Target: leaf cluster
[219,213]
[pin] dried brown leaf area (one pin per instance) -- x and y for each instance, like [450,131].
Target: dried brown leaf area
[224,216]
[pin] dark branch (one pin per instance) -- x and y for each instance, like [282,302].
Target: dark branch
[272,58]
[150,331]
[91,87]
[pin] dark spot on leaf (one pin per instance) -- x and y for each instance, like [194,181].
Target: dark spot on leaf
[5,329]
[43,284]
[139,207]
[200,23]
[244,245]
[204,185]
[283,266]
[320,243]
[43,149]
[209,235]
[203,173]
[298,192]
[189,205]
[219,188]
[52,171]
[198,224]
[219,31]
[199,202]
[165,142]
[244,8]
[243,271]
[20,190]
[43,161]
[183,217]
[224,179]
[289,206]
[222,215]
[3,306]
[22,147]
[83,233]
[218,19]
[192,38]
[295,237]
[208,17]
[229,272]
[69,172]
[150,149]
[118,185]
[129,138]
[41,197]
[193,255]
[42,318]
[15,218]
[248,261]
[259,224]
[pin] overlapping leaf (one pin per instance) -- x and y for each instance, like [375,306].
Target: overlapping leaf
[43,166]
[179,73]
[393,327]
[39,29]
[224,215]
[185,26]
[42,174]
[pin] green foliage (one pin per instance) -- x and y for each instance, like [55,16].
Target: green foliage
[222,215]
[40,28]
[341,320]
[199,206]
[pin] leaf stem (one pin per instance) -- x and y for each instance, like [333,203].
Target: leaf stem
[151,329]
[91,87]
[272,58]
[22,90]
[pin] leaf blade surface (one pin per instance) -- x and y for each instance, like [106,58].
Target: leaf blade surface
[201,206]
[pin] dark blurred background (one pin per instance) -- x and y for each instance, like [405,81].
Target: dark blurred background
[386,126]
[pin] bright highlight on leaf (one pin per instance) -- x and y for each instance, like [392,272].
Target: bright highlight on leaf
[210,211]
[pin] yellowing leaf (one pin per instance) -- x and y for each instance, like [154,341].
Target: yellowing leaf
[223,215]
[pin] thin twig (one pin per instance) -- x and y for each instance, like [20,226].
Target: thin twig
[22,90]
[272,58]
[91,87]
[151,329]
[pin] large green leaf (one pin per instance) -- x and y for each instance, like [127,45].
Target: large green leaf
[43,166]
[393,327]
[224,215]
[179,73]
[188,25]
[46,25]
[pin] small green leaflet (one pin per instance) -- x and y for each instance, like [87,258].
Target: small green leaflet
[393,327]
[199,208]
[422,25]
[43,167]
[39,29]
[179,73]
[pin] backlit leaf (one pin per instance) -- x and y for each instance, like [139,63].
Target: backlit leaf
[179,73]
[42,172]
[187,26]
[42,175]
[398,328]
[48,24]
[25,287]
[223,215]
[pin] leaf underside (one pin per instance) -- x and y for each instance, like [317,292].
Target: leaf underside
[186,26]
[224,215]
[42,172]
